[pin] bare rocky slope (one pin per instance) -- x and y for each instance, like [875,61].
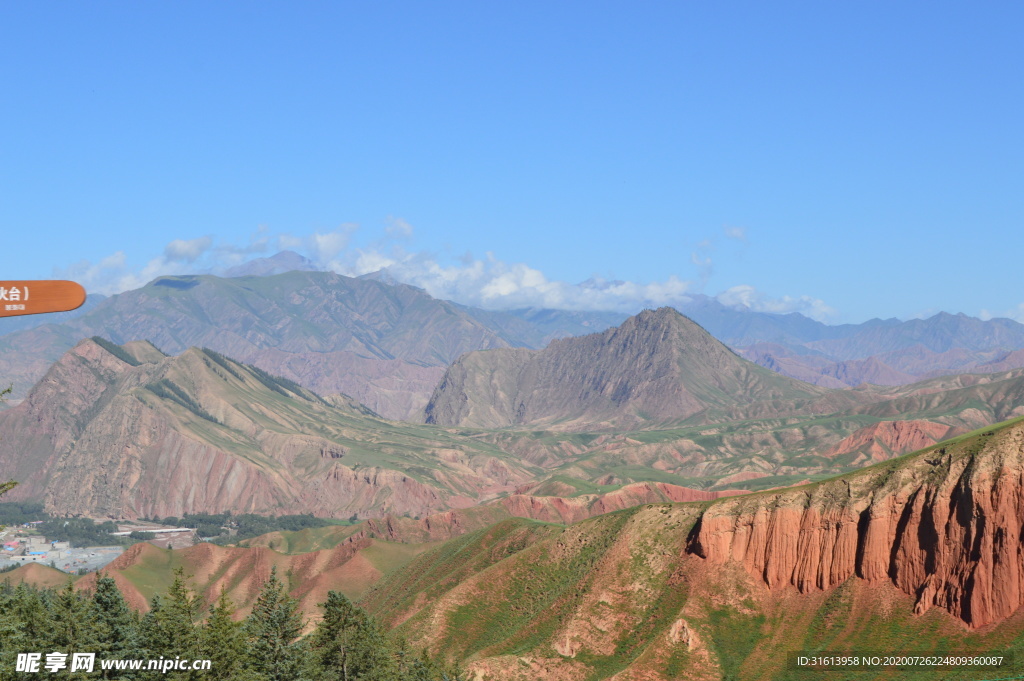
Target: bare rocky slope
[656,367]
[129,432]
[387,344]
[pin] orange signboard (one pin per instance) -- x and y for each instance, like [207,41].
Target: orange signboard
[35,297]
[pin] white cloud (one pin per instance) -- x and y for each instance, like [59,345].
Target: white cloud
[737,233]
[187,251]
[1016,314]
[326,247]
[748,297]
[228,255]
[370,261]
[397,228]
[487,282]
[113,275]
[495,284]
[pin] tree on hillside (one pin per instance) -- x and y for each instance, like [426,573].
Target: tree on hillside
[73,621]
[348,645]
[169,628]
[423,668]
[15,636]
[117,627]
[273,629]
[152,635]
[223,642]
[180,615]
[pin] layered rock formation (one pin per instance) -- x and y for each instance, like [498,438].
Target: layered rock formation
[240,573]
[550,509]
[945,526]
[886,439]
[676,590]
[129,432]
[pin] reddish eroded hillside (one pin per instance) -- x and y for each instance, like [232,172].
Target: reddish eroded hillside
[127,432]
[575,509]
[550,509]
[886,439]
[144,570]
[944,526]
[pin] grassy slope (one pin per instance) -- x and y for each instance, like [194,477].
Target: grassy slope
[787,449]
[39,575]
[617,594]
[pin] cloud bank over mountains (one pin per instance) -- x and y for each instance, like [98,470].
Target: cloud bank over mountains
[487,282]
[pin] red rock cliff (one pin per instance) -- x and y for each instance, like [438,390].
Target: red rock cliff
[944,526]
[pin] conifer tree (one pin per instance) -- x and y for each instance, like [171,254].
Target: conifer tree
[152,635]
[117,627]
[180,614]
[223,642]
[74,625]
[348,645]
[273,629]
[169,628]
[13,639]
[34,617]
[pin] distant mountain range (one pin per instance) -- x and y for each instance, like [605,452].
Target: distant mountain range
[878,351]
[533,527]
[127,431]
[386,345]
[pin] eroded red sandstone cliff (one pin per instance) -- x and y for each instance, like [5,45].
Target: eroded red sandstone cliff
[886,439]
[945,526]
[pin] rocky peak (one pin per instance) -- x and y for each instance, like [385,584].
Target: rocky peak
[656,367]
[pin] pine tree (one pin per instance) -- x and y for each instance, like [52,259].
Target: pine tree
[180,615]
[348,645]
[423,669]
[273,629]
[73,624]
[34,616]
[117,627]
[152,635]
[223,642]
[72,620]
[13,639]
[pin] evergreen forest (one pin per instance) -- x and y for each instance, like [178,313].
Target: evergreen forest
[270,644]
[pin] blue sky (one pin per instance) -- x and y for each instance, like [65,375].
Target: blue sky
[847,160]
